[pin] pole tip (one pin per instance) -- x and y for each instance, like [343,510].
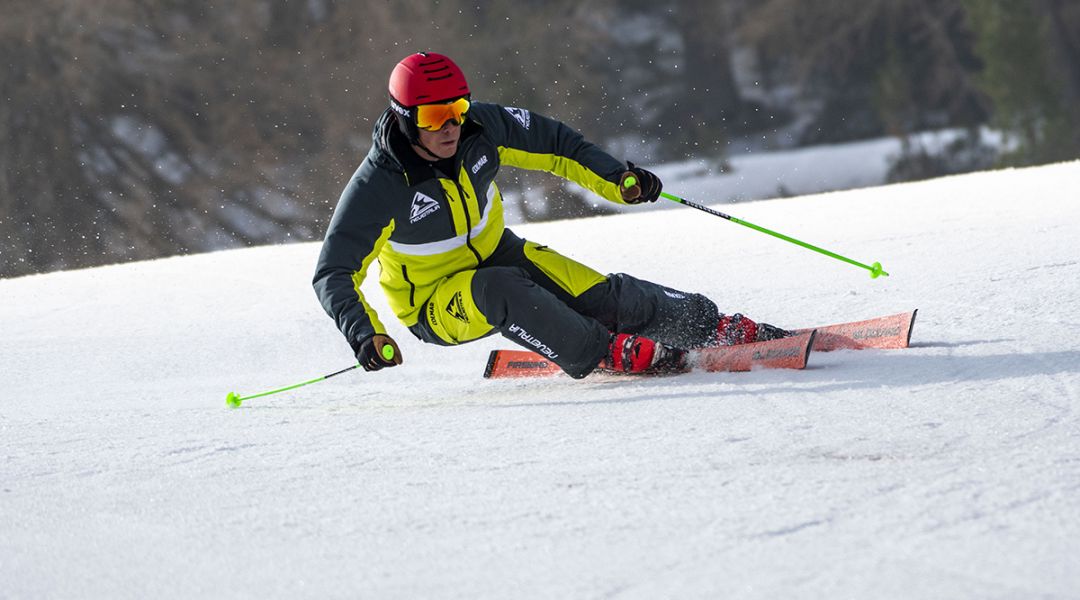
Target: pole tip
[232,400]
[876,271]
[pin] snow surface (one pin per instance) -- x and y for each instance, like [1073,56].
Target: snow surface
[947,470]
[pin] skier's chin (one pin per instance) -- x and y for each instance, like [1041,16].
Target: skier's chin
[446,149]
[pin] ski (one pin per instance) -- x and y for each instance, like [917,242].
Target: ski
[888,332]
[785,353]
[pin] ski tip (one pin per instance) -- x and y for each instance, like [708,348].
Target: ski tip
[809,346]
[911,327]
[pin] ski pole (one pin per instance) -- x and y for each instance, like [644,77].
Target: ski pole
[875,269]
[234,400]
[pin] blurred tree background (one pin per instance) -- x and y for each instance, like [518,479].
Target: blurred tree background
[140,128]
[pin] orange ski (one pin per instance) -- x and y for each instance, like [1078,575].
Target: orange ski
[891,332]
[784,353]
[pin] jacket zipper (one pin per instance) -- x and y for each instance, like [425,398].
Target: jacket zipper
[468,221]
[464,208]
[462,152]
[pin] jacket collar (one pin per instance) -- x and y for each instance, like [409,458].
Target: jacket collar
[391,150]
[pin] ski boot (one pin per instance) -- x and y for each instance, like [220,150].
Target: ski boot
[737,329]
[638,355]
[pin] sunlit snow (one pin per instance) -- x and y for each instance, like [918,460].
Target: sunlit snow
[947,470]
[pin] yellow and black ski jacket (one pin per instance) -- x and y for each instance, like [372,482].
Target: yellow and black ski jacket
[423,225]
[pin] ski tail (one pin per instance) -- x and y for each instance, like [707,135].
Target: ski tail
[509,364]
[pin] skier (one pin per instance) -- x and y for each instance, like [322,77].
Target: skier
[425,204]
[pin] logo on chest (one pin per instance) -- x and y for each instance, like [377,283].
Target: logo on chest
[480,163]
[422,206]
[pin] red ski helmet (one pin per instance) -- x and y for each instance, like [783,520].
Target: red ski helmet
[426,78]
[423,78]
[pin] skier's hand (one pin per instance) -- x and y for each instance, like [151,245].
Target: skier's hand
[645,185]
[378,351]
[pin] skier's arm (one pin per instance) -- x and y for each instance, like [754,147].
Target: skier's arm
[531,141]
[353,240]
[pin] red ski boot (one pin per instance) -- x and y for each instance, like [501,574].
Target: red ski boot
[737,329]
[635,354]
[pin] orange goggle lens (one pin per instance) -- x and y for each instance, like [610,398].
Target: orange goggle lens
[432,117]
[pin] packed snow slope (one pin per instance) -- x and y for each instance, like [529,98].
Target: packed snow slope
[947,470]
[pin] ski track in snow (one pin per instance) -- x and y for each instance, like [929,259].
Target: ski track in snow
[949,469]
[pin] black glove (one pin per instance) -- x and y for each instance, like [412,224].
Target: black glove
[372,352]
[646,185]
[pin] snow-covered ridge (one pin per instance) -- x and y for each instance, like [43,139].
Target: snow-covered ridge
[950,469]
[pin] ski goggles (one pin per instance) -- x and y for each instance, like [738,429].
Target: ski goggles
[432,117]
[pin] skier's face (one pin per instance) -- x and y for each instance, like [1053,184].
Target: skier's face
[444,142]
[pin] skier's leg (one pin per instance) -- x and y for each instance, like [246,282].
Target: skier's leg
[682,319]
[626,304]
[621,303]
[566,278]
[472,304]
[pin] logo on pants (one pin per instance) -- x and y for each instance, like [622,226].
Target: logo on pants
[456,308]
[529,340]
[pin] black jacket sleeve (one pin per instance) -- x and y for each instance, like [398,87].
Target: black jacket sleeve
[532,141]
[353,240]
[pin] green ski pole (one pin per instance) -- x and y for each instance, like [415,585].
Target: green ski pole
[234,400]
[875,269]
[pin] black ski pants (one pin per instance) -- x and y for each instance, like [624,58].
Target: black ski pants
[559,308]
